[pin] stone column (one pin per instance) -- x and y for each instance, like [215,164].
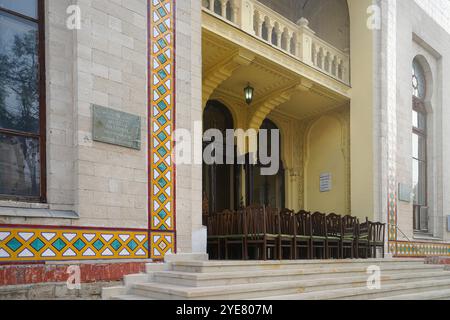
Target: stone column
[191,235]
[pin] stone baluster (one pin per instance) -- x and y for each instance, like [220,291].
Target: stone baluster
[235,12]
[212,5]
[336,66]
[304,41]
[314,53]
[259,27]
[288,41]
[224,8]
[269,31]
[293,44]
[279,36]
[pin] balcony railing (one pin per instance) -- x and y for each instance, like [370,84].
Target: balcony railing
[296,39]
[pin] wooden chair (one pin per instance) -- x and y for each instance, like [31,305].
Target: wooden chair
[260,233]
[376,238]
[213,244]
[319,235]
[349,236]
[302,222]
[287,234]
[334,236]
[273,232]
[234,235]
[362,244]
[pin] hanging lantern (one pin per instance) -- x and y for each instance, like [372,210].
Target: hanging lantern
[248,92]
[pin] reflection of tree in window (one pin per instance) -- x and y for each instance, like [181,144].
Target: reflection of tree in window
[21,137]
[19,104]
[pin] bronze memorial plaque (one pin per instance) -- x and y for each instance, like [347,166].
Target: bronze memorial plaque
[116,127]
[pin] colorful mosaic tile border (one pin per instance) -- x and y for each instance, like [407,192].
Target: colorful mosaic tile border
[419,249]
[51,244]
[161,124]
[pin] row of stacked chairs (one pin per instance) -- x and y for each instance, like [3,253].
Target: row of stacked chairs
[265,233]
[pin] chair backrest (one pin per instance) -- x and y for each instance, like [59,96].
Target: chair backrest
[377,232]
[319,224]
[363,228]
[350,226]
[213,225]
[334,225]
[255,221]
[287,222]
[225,222]
[303,223]
[273,224]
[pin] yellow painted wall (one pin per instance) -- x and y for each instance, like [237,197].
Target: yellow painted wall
[324,154]
[361,111]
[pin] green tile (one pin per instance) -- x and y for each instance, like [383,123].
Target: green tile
[14,244]
[59,244]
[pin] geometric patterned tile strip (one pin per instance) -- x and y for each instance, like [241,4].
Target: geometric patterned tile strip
[161,110]
[419,249]
[36,244]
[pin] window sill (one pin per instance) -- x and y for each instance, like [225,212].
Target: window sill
[33,210]
[421,237]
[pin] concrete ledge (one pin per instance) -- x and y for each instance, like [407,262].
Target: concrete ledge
[55,291]
[186,257]
[37,213]
[110,292]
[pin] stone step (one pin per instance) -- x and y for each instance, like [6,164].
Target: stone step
[235,266]
[281,288]
[264,276]
[131,297]
[363,293]
[428,295]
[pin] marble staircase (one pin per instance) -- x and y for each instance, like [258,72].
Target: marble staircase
[183,279]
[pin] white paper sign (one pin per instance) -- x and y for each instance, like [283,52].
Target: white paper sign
[325,182]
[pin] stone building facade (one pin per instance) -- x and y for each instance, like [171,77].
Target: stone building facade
[104,204]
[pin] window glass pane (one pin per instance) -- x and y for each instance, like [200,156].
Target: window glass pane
[419,182]
[19,166]
[415,119]
[421,119]
[19,76]
[418,80]
[418,147]
[25,7]
[415,146]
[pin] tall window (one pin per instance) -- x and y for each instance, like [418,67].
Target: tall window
[22,100]
[419,149]
[220,181]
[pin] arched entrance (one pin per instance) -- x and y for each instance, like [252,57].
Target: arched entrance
[220,181]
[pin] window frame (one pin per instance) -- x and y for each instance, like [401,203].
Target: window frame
[42,135]
[419,107]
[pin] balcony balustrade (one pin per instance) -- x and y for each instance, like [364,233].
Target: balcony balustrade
[295,39]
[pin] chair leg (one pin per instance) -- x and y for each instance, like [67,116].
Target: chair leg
[310,250]
[280,249]
[264,253]
[295,249]
[245,250]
